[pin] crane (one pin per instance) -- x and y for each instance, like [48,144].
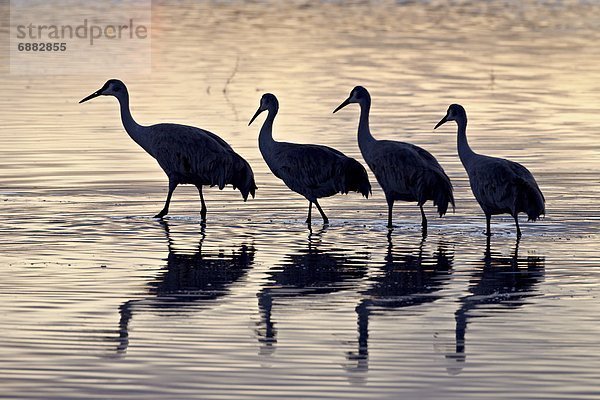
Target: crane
[500,186]
[404,171]
[310,170]
[187,155]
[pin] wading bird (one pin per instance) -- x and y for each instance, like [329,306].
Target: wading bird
[404,171]
[311,170]
[187,154]
[500,186]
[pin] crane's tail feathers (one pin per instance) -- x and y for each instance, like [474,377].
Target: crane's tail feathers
[530,200]
[356,178]
[243,179]
[443,193]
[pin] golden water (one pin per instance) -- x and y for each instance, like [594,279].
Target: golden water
[99,300]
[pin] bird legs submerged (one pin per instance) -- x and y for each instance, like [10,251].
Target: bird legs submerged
[390,203]
[516,217]
[488,219]
[203,209]
[172,185]
[165,210]
[308,219]
[423,220]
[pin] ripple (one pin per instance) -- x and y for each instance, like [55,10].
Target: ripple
[100,300]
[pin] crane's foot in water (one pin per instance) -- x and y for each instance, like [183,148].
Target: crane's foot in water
[161,214]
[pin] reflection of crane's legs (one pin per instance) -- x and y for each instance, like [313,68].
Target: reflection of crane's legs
[461,328]
[363,312]
[126,314]
[325,219]
[265,305]
[165,210]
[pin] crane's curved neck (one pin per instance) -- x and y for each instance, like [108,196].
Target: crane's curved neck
[133,129]
[265,138]
[464,150]
[364,132]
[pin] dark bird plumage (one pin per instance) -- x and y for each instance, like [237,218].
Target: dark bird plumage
[404,171]
[310,170]
[187,154]
[500,186]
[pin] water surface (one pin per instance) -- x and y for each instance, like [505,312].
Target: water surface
[99,300]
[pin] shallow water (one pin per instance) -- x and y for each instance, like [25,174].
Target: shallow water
[99,300]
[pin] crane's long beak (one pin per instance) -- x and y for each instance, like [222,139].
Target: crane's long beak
[91,96]
[344,104]
[256,114]
[442,122]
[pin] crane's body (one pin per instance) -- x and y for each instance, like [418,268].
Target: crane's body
[187,155]
[312,171]
[404,171]
[500,186]
[194,156]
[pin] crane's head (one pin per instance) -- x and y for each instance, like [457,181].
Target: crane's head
[357,95]
[455,112]
[268,101]
[112,87]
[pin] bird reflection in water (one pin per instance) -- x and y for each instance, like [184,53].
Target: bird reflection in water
[505,281]
[187,280]
[407,278]
[309,272]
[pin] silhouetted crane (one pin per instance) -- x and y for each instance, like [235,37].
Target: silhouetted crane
[404,171]
[187,154]
[311,170]
[500,186]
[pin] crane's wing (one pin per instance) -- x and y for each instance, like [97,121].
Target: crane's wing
[187,150]
[174,135]
[429,159]
[524,176]
[306,165]
[496,182]
[492,182]
[396,164]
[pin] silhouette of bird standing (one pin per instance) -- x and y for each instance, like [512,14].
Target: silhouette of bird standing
[310,170]
[500,186]
[404,171]
[187,154]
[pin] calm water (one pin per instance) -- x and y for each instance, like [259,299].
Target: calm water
[98,300]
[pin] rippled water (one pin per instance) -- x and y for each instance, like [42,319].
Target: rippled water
[99,300]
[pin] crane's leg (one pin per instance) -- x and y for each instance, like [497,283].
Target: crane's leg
[516,217]
[325,219]
[308,219]
[488,220]
[165,210]
[390,203]
[423,220]
[203,209]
